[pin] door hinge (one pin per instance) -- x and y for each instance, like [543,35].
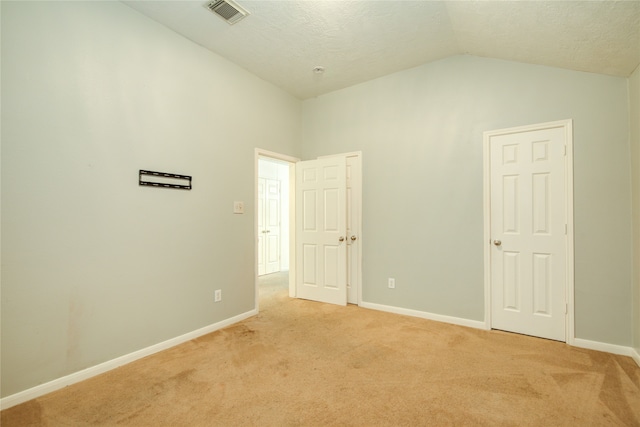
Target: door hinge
[565,229]
[566,309]
[565,150]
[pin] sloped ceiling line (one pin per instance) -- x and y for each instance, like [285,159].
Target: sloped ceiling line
[356,41]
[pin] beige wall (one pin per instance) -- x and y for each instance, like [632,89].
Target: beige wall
[94,266]
[634,120]
[420,132]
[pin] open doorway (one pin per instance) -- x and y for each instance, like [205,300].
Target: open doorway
[274,222]
[279,260]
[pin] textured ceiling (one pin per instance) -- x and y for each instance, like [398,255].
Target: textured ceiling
[282,41]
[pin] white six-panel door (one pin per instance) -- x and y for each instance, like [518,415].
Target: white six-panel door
[261,233]
[269,215]
[272,226]
[321,230]
[528,265]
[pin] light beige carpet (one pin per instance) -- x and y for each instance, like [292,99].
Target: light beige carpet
[301,363]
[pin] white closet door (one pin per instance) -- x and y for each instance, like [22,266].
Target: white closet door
[528,232]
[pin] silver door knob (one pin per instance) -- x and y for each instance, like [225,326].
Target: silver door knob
[497,242]
[353,238]
[341,239]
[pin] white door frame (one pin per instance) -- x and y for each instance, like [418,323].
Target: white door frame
[567,125]
[259,152]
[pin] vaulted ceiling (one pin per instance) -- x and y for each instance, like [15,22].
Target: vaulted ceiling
[283,41]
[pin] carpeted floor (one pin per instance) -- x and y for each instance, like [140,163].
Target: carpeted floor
[300,363]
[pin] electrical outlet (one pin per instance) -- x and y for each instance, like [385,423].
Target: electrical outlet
[218,295]
[238,207]
[392,283]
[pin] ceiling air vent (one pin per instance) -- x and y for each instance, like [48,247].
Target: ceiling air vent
[227,10]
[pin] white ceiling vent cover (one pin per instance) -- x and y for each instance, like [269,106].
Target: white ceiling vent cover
[227,10]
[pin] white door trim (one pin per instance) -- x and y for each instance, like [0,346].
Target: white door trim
[259,152]
[567,125]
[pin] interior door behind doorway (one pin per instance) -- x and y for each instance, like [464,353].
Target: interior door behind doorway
[269,224]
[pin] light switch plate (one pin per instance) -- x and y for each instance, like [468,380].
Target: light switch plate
[238,207]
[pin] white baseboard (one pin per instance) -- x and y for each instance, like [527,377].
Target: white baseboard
[40,390]
[425,315]
[603,346]
[76,377]
[577,342]
[635,355]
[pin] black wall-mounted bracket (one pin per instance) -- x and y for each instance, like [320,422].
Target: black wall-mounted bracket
[163,179]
